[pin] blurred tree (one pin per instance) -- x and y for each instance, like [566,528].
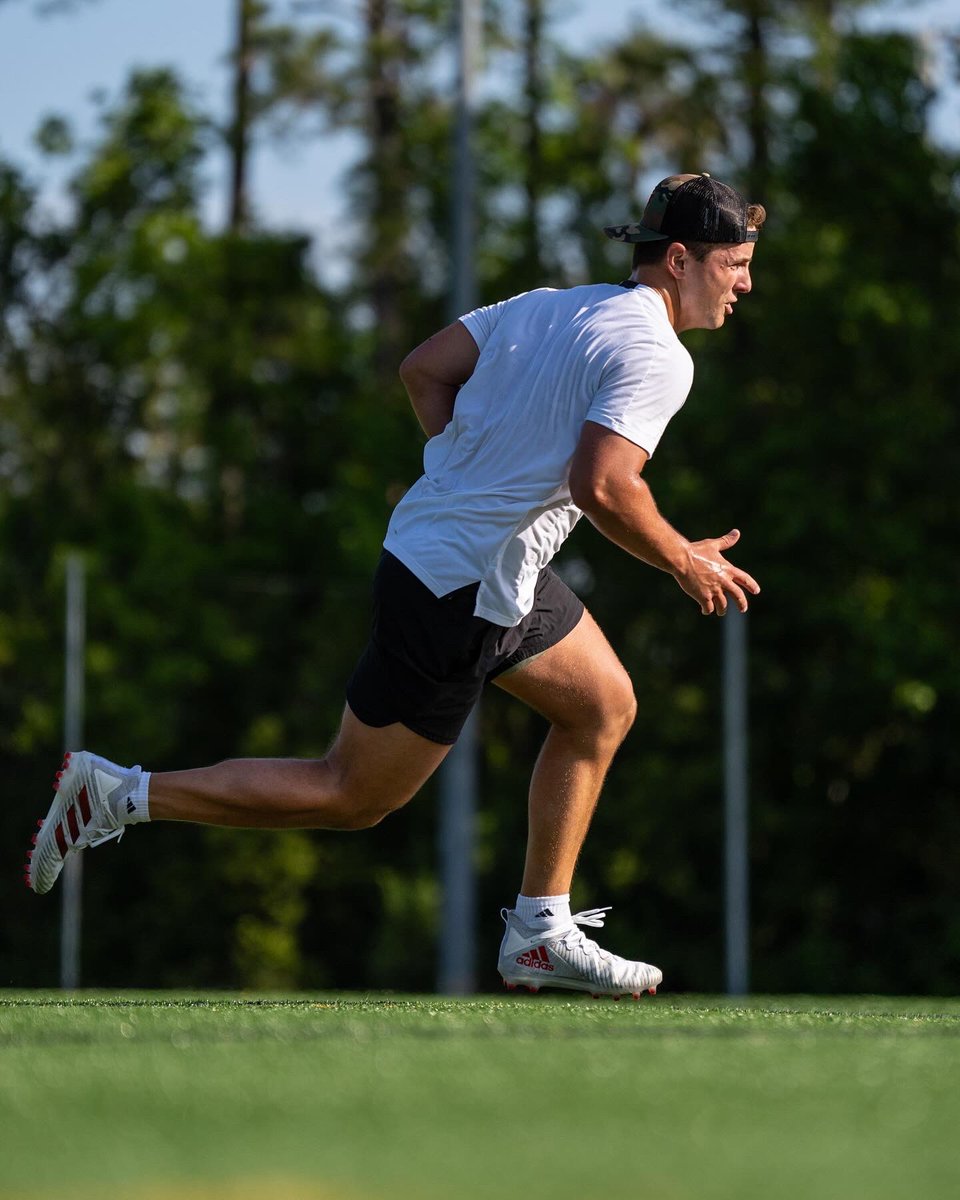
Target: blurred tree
[808,446]
[370,74]
[171,411]
[534,94]
[246,13]
[614,117]
[873,284]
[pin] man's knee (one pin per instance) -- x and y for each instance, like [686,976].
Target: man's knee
[607,717]
[620,708]
[355,804]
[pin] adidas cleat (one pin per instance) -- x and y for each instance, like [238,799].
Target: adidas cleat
[90,791]
[566,958]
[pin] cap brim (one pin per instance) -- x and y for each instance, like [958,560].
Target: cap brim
[633,233]
[640,233]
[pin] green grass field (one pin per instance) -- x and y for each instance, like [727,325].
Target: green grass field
[151,1097]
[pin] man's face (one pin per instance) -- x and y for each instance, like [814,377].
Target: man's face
[711,288]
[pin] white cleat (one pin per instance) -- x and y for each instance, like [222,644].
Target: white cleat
[84,813]
[566,958]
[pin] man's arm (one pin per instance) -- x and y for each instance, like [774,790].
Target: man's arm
[605,483]
[434,372]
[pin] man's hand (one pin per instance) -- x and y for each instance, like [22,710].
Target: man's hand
[709,579]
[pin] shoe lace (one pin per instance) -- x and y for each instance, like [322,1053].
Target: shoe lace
[575,938]
[107,837]
[591,916]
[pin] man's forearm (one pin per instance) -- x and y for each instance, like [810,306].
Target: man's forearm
[627,514]
[605,483]
[629,517]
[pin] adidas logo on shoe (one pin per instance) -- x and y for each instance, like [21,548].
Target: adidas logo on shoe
[544,912]
[537,957]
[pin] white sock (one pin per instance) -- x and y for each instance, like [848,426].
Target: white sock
[135,806]
[544,912]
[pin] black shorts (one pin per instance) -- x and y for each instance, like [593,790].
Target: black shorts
[428,657]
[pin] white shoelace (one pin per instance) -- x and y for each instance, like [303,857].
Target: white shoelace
[106,837]
[591,916]
[574,938]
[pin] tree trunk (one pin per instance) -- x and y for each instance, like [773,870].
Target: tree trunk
[240,125]
[533,92]
[756,74]
[385,259]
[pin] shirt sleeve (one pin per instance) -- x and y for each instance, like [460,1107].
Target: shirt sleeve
[640,390]
[483,321]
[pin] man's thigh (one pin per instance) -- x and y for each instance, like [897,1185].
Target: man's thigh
[384,766]
[574,682]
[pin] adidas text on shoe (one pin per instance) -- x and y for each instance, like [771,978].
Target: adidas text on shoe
[537,958]
[565,958]
[84,813]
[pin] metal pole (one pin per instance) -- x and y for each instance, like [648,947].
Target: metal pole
[735,751]
[458,792]
[456,974]
[71,887]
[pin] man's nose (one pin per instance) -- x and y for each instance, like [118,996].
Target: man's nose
[744,284]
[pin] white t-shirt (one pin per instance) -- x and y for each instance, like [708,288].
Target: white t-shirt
[493,503]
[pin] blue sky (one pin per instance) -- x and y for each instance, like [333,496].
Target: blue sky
[55,64]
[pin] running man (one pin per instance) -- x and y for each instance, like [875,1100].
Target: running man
[538,409]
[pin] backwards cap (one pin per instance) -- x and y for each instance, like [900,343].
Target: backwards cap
[689,208]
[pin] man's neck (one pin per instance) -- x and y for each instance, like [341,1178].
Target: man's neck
[652,278]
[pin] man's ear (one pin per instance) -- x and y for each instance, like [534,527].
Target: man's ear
[676,259]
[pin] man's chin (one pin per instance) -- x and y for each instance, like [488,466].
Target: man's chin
[714,321]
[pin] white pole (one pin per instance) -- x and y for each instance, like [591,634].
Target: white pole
[71,887]
[736,800]
[458,805]
[456,975]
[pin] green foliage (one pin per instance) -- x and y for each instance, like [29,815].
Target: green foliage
[148,157]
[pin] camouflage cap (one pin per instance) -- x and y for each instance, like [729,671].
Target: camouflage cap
[691,208]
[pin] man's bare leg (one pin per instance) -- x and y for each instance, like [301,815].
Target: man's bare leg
[583,690]
[366,774]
